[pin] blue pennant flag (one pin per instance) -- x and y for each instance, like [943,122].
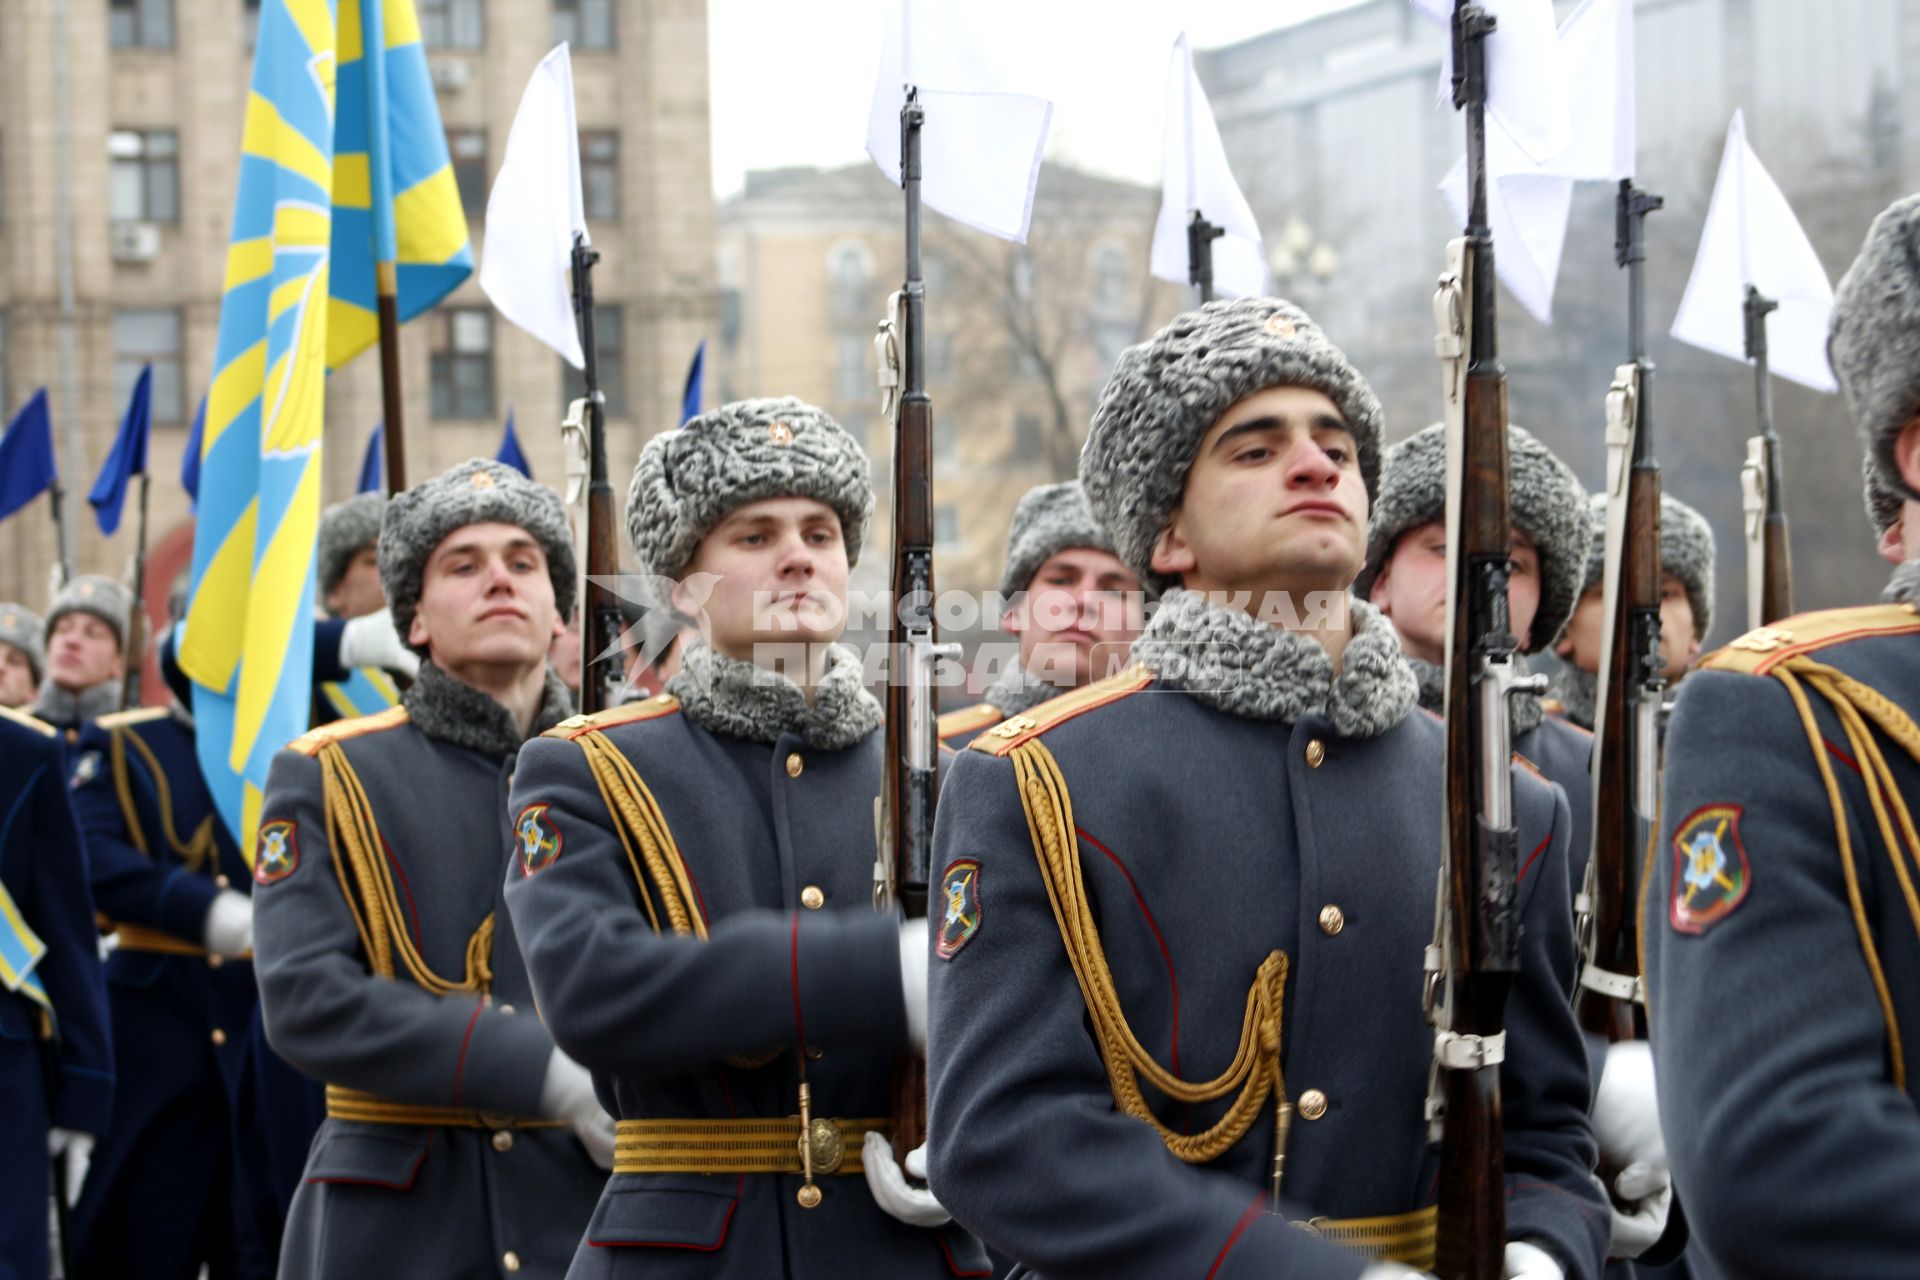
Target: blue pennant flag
[26,456]
[510,450]
[370,463]
[696,375]
[190,459]
[129,456]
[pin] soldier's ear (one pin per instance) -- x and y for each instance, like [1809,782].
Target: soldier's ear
[417,630]
[1171,553]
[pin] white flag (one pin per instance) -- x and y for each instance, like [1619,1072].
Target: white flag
[988,106]
[1526,78]
[1528,203]
[534,210]
[1194,175]
[1752,238]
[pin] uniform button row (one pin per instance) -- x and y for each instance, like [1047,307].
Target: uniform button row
[510,1261]
[1332,920]
[1312,1105]
[219,1036]
[795,764]
[1316,752]
[502,1140]
[812,898]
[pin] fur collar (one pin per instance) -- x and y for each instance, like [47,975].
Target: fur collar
[1578,692]
[1527,711]
[1018,689]
[1236,663]
[63,709]
[1904,588]
[456,713]
[740,700]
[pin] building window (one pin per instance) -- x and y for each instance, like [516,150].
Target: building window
[584,24]
[141,338]
[145,181]
[946,438]
[468,147]
[946,525]
[600,174]
[1110,278]
[462,363]
[856,377]
[1110,340]
[140,24]
[453,24]
[849,278]
[610,350]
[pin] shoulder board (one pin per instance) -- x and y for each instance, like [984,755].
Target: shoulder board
[310,742]
[981,715]
[1529,766]
[137,715]
[26,721]
[1014,730]
[1762,649]
[660,704]
[1553,706]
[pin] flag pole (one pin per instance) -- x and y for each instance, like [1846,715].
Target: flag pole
[137,613]
[393,431]
[386,250]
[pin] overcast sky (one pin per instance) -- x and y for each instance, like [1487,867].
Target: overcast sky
[791,79]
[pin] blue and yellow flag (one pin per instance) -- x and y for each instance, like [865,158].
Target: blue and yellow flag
[343,165]
[365,691]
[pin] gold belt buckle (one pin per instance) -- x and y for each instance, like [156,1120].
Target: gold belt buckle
[825,1145]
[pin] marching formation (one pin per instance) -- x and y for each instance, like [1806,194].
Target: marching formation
[1273,911]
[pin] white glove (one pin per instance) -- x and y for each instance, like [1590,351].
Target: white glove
[77,1147]
[229,927]
[1393,1271]
[372,641]
[1626,1123]
[567,1094]
[913,978]
[1525,1261]
[891,1192]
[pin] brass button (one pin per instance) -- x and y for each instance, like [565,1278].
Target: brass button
[219,1036]
[221,882]
[510,1261]
[1332,920]
[663,698]
[808,1196]
[215,960]
[1313,1104]
[811,898]
[507,1010]
[502,1140]
[1316,752]
[794,765]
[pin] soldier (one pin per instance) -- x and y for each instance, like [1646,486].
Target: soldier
[694,887]
[1686,607]
[355,648]
[163,1199]
[1072,605]
[86,653]
[56,1056]
[387,963]
[1781,951]
[23,655]
[1183,907]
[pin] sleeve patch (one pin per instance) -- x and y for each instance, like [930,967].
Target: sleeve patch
[538,838]
[279,852]
[960,887]
[85,771]
[1711,874]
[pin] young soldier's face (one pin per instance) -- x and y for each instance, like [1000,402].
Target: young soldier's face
[1411,589]
[1274,501]
[1079,617]
[358,592]
[1679,642]
[16,678]
[780,579]
[486,599]
[82,652]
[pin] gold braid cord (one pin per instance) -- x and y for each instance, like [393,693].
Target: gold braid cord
[193,851]
[1255,1072]
[1860,710]
[366,883]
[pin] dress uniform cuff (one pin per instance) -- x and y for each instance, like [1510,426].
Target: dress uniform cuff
[184,901]
[326,651]
[85,1101]
[846,980]
[1564,1226]
[503,1062]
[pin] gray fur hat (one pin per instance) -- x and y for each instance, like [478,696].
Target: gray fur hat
[346,527]
[1549,506]
[1167,393]
[1686,552]
[1873,339]
[478,491]
[25,630]
[1049,519]
[688,480]
[98,595]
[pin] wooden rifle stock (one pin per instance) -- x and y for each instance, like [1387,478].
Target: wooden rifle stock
[1776,593]
[1770,577]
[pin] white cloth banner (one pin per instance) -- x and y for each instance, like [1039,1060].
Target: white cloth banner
[1526,78]
[1194,175]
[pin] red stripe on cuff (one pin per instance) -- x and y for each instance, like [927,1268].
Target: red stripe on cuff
[460,1067]
[1532,858]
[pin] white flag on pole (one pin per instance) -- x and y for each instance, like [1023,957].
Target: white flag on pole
[1526,78]
[1528,203]
[988,102]
[1752,238]
[534,210]
[1194,175]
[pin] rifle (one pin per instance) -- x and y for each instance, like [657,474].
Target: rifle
[1200,237]
[1476,947]
[600,625]
[1769,560]
[1626,770]
[909,781]
[137,610]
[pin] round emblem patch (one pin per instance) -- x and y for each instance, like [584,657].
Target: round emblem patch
[539,839]
[278,854]
[960,887]
[1711,874]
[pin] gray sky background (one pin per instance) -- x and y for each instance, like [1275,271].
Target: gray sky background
[791,79]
